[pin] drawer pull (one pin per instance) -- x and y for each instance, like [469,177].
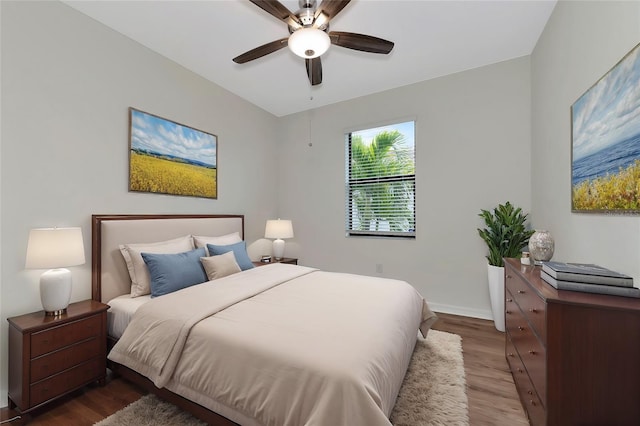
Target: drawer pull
[511,354]
[509,276]
[519,370]
[509,300]
[534,310]
[521,328]
[533,403]
[507,312]
[520,291]
[532,352]
[530,392]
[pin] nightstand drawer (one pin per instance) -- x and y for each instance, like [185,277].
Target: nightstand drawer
[65,335]
[65,381]
[55,362]
[51,356]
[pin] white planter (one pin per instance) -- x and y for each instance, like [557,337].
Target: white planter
[496,293]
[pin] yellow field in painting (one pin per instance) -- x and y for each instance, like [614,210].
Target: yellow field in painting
[619,191]
[152,174]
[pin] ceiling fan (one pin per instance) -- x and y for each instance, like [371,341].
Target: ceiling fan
[310,36]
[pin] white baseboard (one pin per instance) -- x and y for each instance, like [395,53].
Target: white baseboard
[462,311]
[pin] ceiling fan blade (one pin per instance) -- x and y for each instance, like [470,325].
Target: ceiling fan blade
[277,9]
[260,51]
[331,7]
[361,42]
[314,70]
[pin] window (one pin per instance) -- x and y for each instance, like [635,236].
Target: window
[381,181]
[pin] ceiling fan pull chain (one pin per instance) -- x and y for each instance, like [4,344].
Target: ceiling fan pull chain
[310,73]
[309,118]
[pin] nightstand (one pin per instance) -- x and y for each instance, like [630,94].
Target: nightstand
[52,356]
[289,260]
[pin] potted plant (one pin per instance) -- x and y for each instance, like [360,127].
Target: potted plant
[506,235]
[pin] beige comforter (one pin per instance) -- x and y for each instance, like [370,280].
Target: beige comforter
[281,345]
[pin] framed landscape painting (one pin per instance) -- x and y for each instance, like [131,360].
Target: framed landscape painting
[170,158]
[605,152]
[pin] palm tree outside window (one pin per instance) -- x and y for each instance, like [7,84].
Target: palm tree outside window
[380,187]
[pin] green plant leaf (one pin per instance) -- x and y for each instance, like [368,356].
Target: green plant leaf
[505,233]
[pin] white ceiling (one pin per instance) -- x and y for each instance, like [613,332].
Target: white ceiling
[432,39]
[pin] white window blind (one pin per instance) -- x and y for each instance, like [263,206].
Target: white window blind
[380,184]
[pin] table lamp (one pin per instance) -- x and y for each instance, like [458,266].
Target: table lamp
[55,248]
[278,229]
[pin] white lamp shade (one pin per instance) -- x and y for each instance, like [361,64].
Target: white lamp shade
[278,229]
[54,248]
[309,42]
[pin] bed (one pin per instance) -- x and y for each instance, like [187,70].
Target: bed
[267,345]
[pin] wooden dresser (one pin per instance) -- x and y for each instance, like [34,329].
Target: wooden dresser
[575,357]
[52,356]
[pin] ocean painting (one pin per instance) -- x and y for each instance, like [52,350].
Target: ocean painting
[170,158]
[605,156]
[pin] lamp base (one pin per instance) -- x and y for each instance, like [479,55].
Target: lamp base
[57,313]
[278,249]
[55,291]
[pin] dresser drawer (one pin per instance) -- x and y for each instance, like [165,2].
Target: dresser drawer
[527,392]
[529,349]
[51,363]
[533,307]
[58,337]
[512,313]
[66,381]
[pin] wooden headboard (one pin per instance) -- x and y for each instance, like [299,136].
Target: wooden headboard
[109,275]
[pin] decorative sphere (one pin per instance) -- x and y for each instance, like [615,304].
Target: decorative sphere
[541,246]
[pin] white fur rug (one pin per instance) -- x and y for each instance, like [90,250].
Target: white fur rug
[433,392]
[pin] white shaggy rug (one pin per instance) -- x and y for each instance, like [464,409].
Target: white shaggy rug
[433,392]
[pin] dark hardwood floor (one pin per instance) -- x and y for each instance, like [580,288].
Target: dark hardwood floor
[492,395]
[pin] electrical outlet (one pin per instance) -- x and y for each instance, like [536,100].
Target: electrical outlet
[378,268]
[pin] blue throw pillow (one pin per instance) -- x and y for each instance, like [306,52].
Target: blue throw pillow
[239,251]
[172,272]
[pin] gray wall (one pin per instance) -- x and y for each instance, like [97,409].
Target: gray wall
[582,41]
[67,83]
[472,152]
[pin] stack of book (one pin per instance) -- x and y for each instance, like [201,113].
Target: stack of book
[588,278]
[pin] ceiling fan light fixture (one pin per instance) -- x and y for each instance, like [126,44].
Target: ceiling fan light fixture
[309,42]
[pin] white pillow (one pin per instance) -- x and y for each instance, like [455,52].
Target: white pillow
[220,266]
[222,240]
[140,280]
